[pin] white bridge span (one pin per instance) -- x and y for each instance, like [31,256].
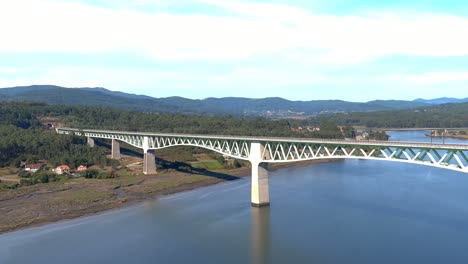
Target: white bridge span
[262,150]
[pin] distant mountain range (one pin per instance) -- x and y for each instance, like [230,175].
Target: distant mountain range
[269,107]
[443,100]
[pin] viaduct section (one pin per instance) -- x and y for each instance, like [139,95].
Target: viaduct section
[260,151]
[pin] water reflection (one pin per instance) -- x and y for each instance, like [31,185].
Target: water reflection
[260,243]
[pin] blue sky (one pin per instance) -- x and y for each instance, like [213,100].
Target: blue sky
[297,49]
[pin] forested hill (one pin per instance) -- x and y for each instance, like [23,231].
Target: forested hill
[25,133]
[37,115]
[443,100]
[267,107]
[438,116]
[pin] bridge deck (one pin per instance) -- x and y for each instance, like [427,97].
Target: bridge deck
[282,139]
[262,150]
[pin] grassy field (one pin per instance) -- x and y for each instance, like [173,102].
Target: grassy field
[8,171]
[208,165]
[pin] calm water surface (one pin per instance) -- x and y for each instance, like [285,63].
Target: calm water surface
[345,212]
[420,136]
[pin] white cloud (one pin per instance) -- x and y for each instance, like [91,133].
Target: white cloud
[273,29]
[265,49]
[429,78]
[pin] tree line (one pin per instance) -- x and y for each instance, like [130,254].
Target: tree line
[26,136]
[19,145]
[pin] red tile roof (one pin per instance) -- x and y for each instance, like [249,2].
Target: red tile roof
[81,168]
[63,167]
[33,166]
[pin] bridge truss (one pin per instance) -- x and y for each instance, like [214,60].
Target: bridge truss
[260,151]
[276,150]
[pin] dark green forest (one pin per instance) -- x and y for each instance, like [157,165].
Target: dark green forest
[25,134]
[30,145]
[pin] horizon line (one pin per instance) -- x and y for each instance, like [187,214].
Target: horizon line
[224,97]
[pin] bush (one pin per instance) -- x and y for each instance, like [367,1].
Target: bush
[113,163]
[236,164]
[89,174]
[220,159]
[98,174]
[26,182]
[24,174]
[105,175]
[10,186]
[41,177]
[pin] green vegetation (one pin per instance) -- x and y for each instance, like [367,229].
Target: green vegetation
[26,135]
[378,135]
[98,174]
[19,144]
[9,185]
[328,130]
[29,115]
[41,176]
[209,165]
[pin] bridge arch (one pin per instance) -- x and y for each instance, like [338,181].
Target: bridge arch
[208,148]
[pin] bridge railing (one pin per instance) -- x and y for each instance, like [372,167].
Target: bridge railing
[277,139]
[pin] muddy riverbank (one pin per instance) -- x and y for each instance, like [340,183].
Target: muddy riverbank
[45,203]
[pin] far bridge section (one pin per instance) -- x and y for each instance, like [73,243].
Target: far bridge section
[263,150]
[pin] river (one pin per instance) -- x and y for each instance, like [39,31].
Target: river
[349,211]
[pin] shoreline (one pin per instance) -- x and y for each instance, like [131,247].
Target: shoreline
[129,200]
[462,137]
[416,129]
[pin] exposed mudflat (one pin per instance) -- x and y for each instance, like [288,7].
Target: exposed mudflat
[45,203]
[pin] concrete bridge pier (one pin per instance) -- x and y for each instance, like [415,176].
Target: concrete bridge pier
[91,142]
[260,184]
[115,149]
[149,159]
[149,162]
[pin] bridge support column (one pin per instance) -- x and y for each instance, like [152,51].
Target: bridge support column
[115,149]
[260,184]
[91,142]
[149,159]
[149,162]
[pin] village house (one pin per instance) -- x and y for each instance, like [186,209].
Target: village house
[82,168]
[62,169]
[32,167]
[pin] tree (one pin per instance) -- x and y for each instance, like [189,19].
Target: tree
[349,131]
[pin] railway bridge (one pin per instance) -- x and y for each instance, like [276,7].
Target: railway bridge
[260,151]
